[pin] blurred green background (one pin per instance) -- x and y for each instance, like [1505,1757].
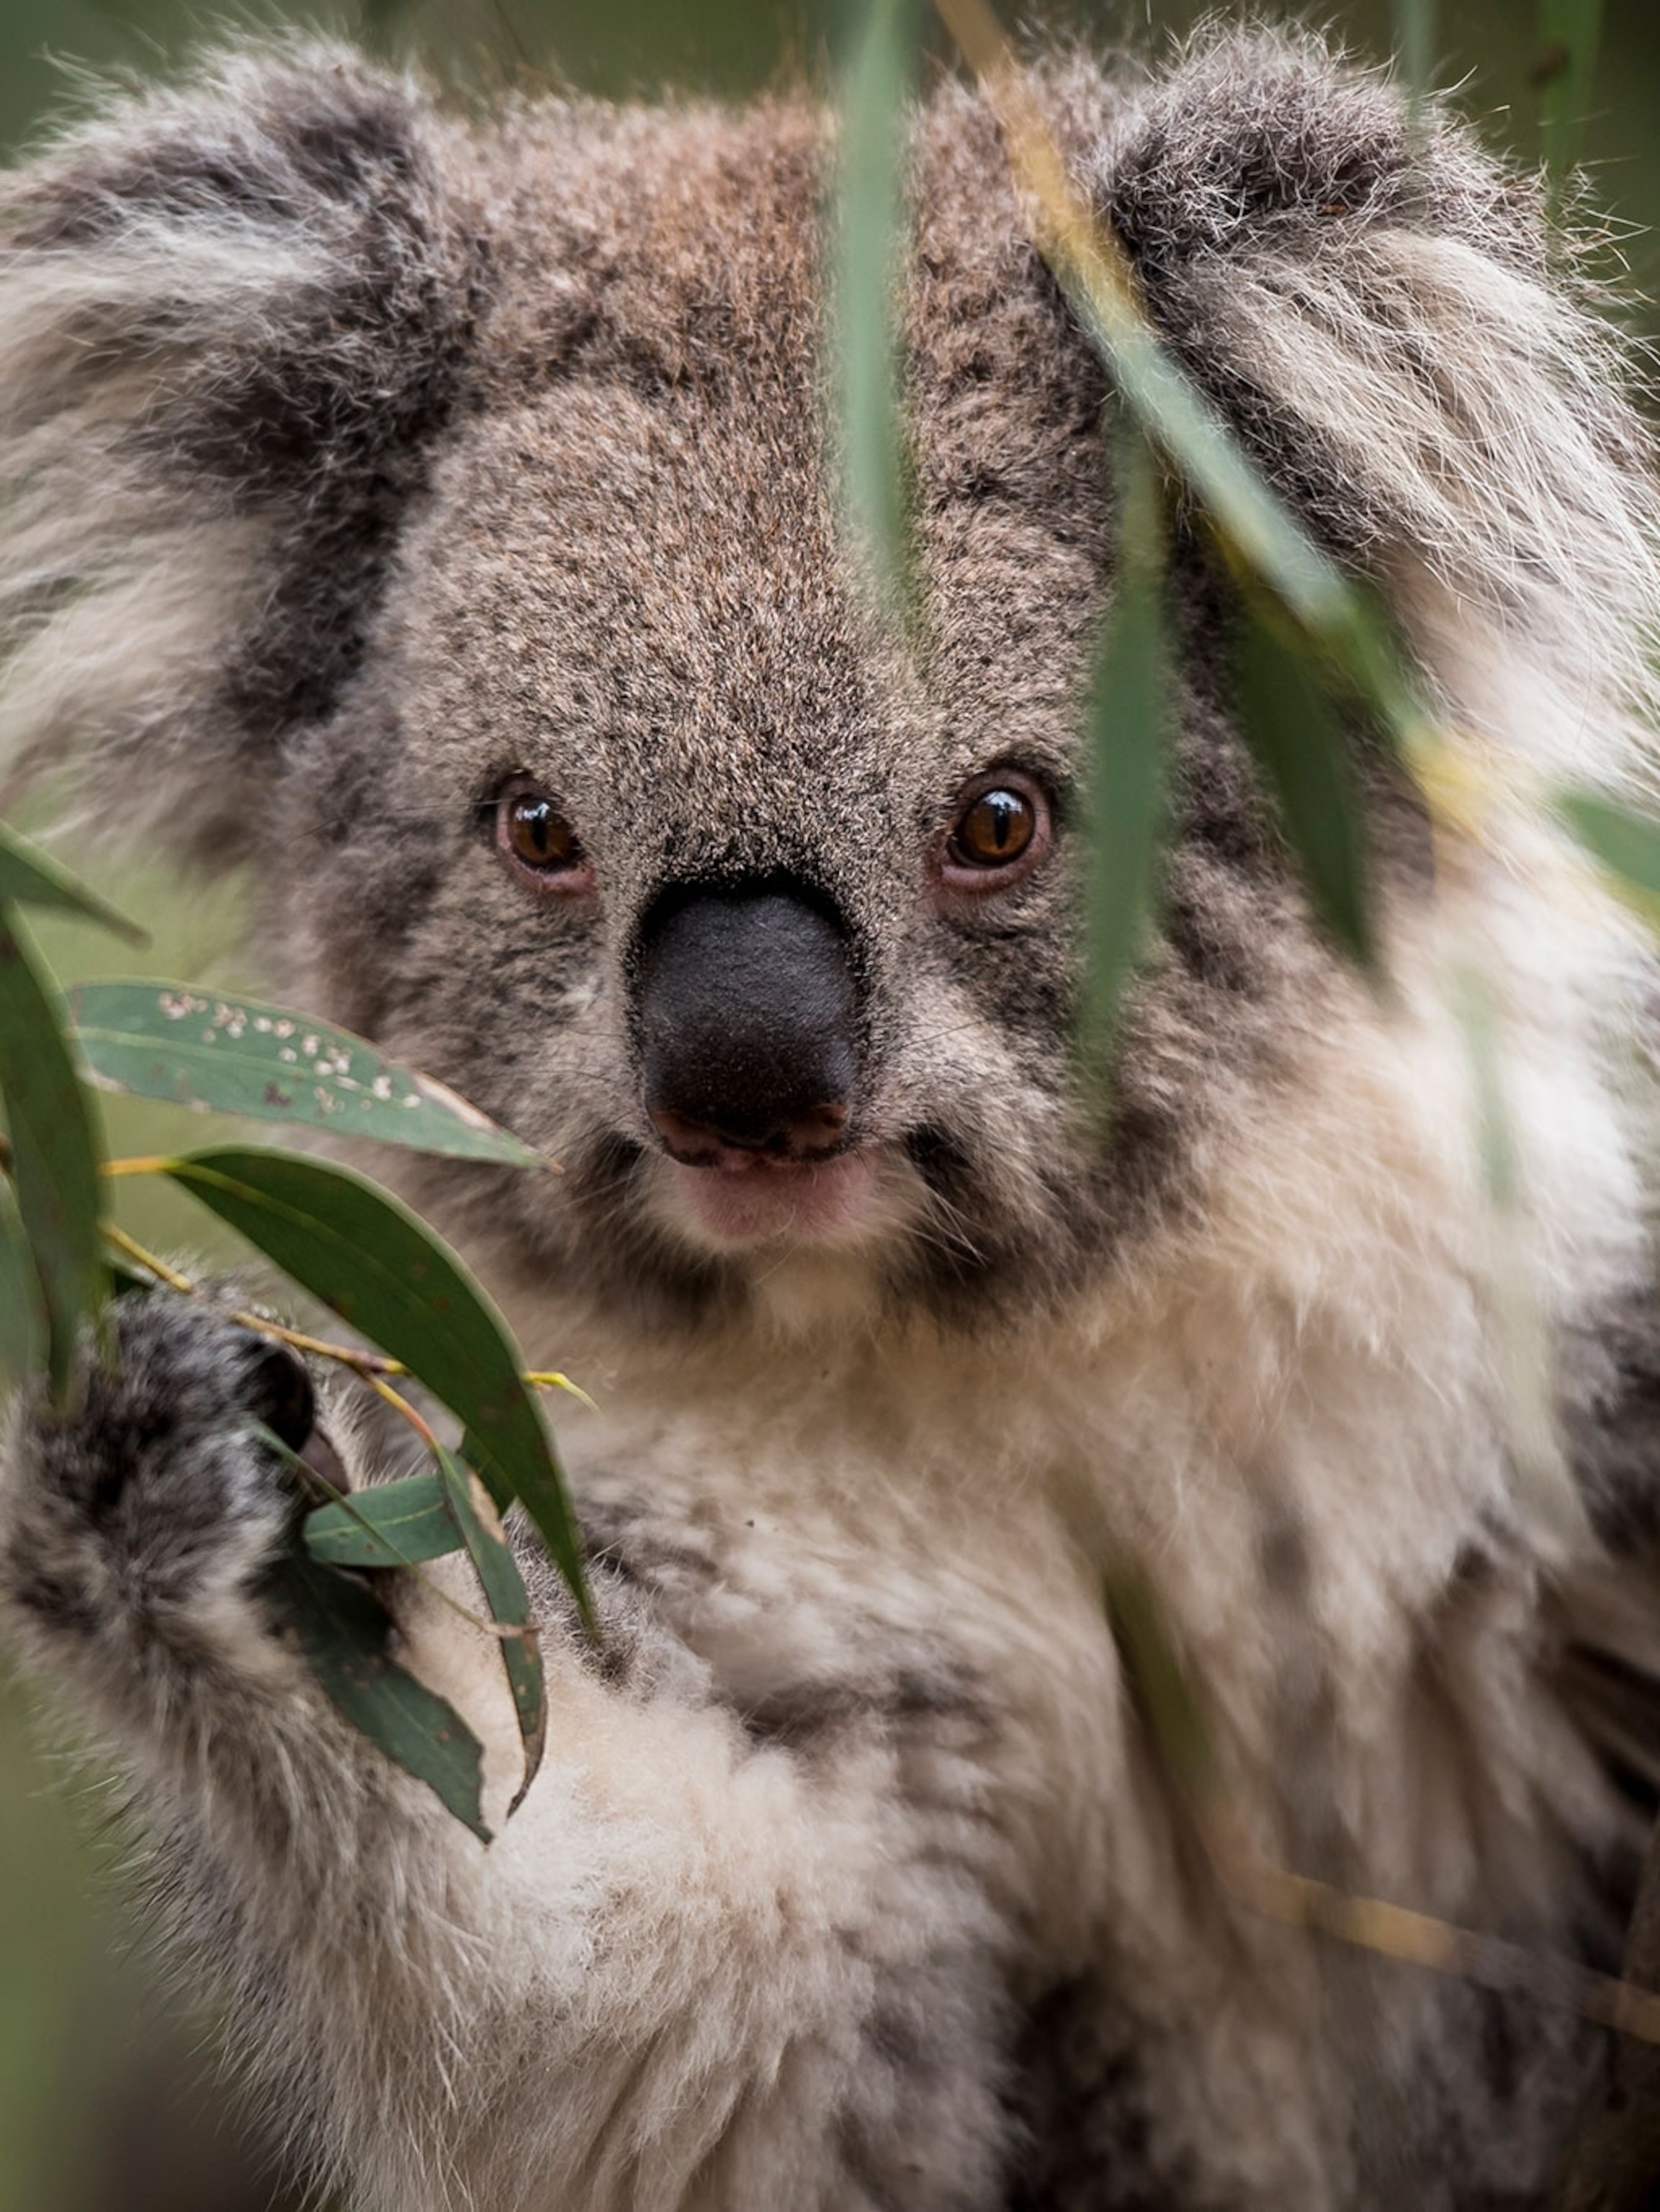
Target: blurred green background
[107,2090]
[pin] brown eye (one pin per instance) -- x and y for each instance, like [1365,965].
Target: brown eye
[533,833]
[996,830]
[1001,832]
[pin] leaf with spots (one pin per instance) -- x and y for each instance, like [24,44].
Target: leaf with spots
[196,1049]
[54,1150]
[342,1630]
[387,1274]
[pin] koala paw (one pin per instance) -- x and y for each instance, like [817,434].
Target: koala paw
[140,1514]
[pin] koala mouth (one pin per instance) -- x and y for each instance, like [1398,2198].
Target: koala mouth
[746,1197]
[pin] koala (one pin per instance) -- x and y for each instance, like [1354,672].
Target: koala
[434,514]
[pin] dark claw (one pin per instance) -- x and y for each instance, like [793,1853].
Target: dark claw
[278,1391]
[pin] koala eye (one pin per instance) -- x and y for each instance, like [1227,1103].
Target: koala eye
[1001,832]
[537,840]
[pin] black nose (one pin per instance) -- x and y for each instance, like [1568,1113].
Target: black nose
[747,1012]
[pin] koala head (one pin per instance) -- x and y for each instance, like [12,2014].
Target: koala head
[440,517]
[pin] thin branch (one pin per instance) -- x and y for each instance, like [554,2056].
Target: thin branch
[149,1261]
[369,1364]
[401,1404]
[1419,1939]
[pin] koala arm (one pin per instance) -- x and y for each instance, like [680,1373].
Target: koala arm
[736,1975]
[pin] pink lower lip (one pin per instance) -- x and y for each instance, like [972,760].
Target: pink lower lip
[748,1198]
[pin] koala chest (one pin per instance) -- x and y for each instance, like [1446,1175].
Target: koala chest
[940,1661]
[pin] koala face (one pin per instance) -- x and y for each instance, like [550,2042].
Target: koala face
[462,550]
[757,917]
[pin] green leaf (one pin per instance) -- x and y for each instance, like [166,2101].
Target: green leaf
[1158,1682]
[342,1630]
[391,1524]
[1258,530]
[368,1258]
[509,1604]
[54,1150]
[1264,543]
[1415,45]
[870,231]
[23,1320]
[1130,695]
[27,877]
[1565,68]
[1476,1007]
[1625,843]
[1291,727]
[240,1056]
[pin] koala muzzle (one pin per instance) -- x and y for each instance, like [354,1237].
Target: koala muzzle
[747,1015]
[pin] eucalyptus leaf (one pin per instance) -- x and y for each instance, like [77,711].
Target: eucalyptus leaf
[23,1319]
[342,1630]
[391,1524]
[509,1604]
[1263,543]
[1415,45]
[1159,1684]
[1259,532]
[1565,69]
[1299,741]
[1130,694]
[384,1272]
[870,226]
[1626,844]
[29,877]
[196,1049]
[1475,1006]
[1262,540]
[54,1150]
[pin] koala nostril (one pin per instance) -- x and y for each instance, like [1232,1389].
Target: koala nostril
[813,1134]
[821,1129]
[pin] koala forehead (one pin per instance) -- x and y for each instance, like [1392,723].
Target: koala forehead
[630,581]
[609,598]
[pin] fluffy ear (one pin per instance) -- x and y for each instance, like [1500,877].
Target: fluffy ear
[1372,301]
[232,319]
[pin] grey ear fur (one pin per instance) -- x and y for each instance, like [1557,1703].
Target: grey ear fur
[231,318]
[1379,308]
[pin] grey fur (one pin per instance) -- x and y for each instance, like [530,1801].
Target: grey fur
[367,455]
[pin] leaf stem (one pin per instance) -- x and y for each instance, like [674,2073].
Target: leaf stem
[372,1366]
[149,1261]
[401,1404]
[552,1379]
